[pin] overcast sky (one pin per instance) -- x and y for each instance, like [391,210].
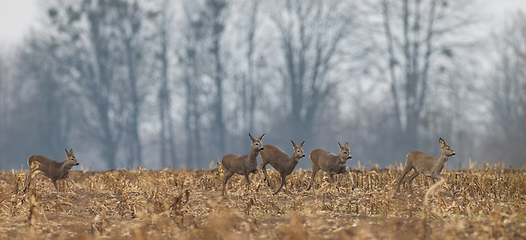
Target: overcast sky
[18,16]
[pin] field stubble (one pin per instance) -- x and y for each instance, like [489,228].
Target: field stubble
[187,204]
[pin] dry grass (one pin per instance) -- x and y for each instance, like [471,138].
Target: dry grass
[144,204]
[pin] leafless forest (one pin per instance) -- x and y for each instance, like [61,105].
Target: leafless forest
[173,84]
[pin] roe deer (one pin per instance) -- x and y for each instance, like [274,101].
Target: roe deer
[244,165]
[51,168]
[329,162]
[281,161]
[425,164]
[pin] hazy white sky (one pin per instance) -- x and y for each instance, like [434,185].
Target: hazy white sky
[18,16]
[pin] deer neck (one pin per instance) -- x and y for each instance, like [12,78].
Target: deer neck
[294,159]
[442,158]
[63,167]
[340,160]
[253,154]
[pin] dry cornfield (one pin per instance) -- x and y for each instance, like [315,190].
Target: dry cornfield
[187,204]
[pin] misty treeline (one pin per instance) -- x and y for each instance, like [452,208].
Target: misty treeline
[181,83]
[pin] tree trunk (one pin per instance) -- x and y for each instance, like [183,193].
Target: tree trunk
[218,104]
[135,158]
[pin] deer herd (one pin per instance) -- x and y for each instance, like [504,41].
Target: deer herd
[321,159]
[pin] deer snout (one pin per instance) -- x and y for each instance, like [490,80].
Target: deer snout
[303,155]
[77,163]
[261,149]
[453,154]
[349,157]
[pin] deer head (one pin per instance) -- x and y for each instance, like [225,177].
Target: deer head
[256,143]
[71,160]
[298,150]
[345,152]
[446,149]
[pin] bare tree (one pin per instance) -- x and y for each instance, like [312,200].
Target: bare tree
[190,57]
[250,84]
[203,76]
[98,43]
[95,68]
[506,93]
[36,108]
[3,107]
[420,38]
[40,64]
[242,66]
[130,21]
[162,19]
[214,15]
[311,35]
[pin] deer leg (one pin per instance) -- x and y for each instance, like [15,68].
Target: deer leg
[435,176]
[248,179]
[228,175]
[283,183]
[331,176]
[55,183]
[406,170]
[411,178]
[314,170]
[264,169]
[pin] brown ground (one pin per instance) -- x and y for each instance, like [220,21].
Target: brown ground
[168,204]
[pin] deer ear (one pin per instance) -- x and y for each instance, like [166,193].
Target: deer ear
[251,138]
[340,145]
[301,145]
[293,144]
[261,138]
[71,151]
[441,141]
[67,153]
[346,144]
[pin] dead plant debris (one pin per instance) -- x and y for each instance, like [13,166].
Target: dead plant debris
[487,203]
